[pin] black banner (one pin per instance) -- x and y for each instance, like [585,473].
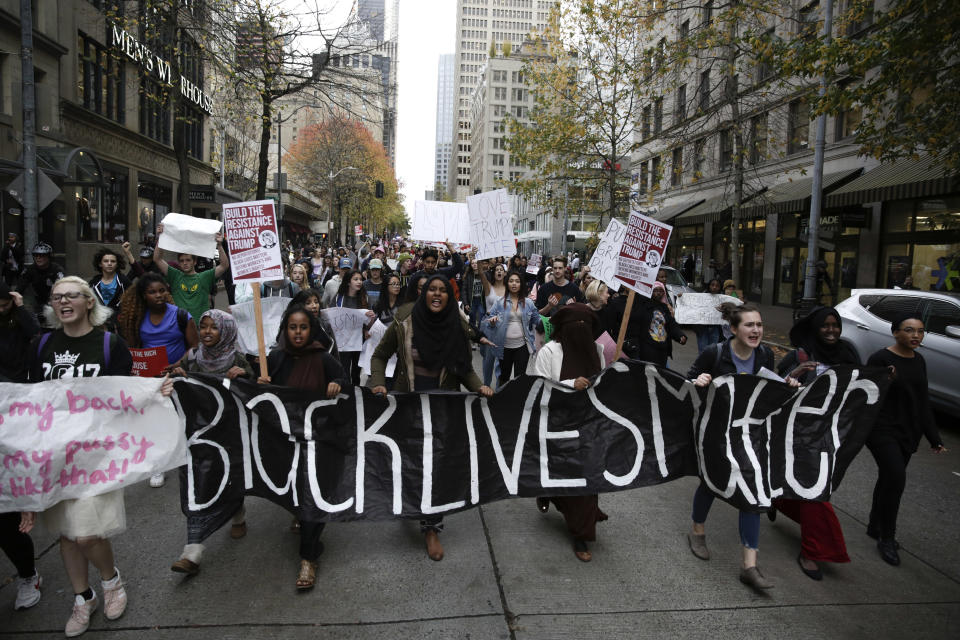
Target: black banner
[361,456]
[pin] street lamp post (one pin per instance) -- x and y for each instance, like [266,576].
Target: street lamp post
[330,186]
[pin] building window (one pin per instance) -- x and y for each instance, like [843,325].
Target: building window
[645,123]
[102,210]
[758,138]
[680,108]
[798,134]
[676,170]
[499,93]
[496,159]
[101,79]
[644,178]
[684,32]
[858,16]
[657,116]
[726,149]
[704,90]
[764,69]
[655,174]
[153,203]
[699,156]
[154,111]
[807,21]
[706,14]
[848,121]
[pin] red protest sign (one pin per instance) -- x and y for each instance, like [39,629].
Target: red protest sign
[642,251]
[253,240]
[148,363]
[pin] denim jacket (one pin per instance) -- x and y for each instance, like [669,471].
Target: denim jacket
[497,333]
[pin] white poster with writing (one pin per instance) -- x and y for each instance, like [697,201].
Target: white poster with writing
[435,221]
[253,241]
[347,326]
[603,262]
[186,234]
[376,334]
[80,437]
[701,308]
[491,224]
[533,264]
[271,311]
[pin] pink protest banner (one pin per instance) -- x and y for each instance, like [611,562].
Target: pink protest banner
[80,437]
[253,240]
[149,363]
[644,245]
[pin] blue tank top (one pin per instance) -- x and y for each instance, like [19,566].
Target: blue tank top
[166,334]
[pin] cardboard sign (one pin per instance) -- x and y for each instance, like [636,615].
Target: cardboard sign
[376,334]
[701,308]
[186,234]
[253,240]
[149,363]
[245,315]
[641,253]
[347,326]
[533,264]
[603,262]
[491,224]
[435,221]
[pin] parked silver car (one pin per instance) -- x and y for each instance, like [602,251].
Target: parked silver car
[676,283]
[866,317]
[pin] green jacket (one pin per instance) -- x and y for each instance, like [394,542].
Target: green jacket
[398,340]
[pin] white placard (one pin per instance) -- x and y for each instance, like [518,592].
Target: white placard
[272,311]
[80,437]
[491,224]
[347,326]
[603,262]
[435,221]
[253,240]
[186,234]
[701,308]
[370,345]
[533,264]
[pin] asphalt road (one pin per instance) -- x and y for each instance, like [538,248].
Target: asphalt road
[510,573]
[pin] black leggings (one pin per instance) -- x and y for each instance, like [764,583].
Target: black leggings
[18,546]
[891,478]
[310,545]
[351,366]
[517,360]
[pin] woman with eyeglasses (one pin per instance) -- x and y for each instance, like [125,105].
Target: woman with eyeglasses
[905,417]
[79,347]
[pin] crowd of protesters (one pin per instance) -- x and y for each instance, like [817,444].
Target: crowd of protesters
[438,306]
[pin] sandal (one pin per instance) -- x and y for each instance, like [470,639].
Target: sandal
[307,576]
[543,504]
[295,525]
[581,551]
[434,548]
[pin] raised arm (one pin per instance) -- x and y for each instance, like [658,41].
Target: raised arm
[158,254]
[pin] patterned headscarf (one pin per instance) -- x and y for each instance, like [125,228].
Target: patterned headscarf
[219,356]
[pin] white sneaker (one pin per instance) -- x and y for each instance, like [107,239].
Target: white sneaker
[114,597]
[28,591]
[157,480]
[80,618]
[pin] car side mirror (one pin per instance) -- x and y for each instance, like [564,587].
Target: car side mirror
[953,331]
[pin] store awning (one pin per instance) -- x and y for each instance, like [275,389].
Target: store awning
[898,180]
[672,211]
[712,209]
[794,196]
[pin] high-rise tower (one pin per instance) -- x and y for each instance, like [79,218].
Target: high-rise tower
[444,136]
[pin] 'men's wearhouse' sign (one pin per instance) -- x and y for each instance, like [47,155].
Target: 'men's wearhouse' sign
[143,56]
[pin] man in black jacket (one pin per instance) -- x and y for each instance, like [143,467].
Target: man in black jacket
[11,257]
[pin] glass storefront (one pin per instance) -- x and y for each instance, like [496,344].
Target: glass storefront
[153,203]
[922,244]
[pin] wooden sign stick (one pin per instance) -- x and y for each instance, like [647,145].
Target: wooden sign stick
[258,318]
[623,324]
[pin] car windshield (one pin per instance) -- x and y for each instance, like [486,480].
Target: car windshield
[674,278]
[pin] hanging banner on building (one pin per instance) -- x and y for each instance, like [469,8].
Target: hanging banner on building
[435,221]
[80,437]
[641,252]
[253,241]
[603,262]
[701,308]
[491,224]
[186,234]
[361,456]
[149,363]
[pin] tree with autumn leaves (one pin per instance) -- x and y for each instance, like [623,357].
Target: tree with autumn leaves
[327,149]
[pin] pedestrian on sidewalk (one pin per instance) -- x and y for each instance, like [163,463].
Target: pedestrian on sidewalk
[301,362]
[818,347]
[217,355]
[431,342]
[742,353]
[904,417]
[84,525]
[571,358]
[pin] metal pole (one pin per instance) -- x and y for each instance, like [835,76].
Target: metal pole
[279,175]
[330,213]
[563,239]
[810,277]
[29,107]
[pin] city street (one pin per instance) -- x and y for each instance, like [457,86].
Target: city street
[509,572]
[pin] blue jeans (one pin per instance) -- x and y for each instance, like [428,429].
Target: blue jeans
[707,336]
[749,522]
[491,365]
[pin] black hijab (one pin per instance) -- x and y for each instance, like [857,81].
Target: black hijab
[805,335]
[438,337]
[576,327]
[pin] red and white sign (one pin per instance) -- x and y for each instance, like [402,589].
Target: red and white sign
[644,246]
[149,363]
[357,229]
[253,240]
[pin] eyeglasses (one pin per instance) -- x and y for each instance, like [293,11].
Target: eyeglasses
[912,331]
[70,295]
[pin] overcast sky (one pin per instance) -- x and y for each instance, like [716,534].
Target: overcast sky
[427,30]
